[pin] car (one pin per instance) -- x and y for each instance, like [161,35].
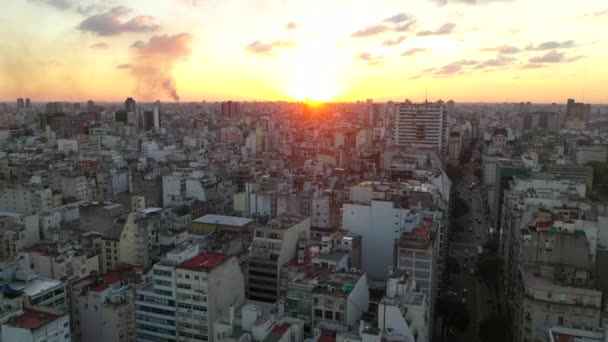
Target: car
[464,300]
[469,219]
[472,271]
[477,237]
[471,229]
[465,290]
[465,265]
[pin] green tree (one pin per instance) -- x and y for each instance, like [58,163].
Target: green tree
[454,173]
[453,312]
[489,269]
[493,328]
[477,173]
[459,207]
[490,247]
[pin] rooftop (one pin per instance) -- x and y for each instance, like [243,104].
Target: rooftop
[33,319]
[223,220]
[36,286]
[205,261]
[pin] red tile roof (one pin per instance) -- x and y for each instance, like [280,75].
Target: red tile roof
[32,319]
[558,337]
[281,329]
[205,261]
[327,336]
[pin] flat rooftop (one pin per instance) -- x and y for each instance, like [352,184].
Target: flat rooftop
[224,220]
[32,319]
[205,261]
[36,286]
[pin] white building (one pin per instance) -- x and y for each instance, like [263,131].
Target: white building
[404,311]
[380,225]
[36,325]
[421,125]
[25,199]
[188,292]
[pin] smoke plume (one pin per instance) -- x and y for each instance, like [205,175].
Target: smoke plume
[152,64]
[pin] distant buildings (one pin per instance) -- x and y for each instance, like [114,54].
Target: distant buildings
[130,105]
[577,115]
[20,103]
[230,109]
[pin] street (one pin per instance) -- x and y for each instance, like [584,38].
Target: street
[479,298]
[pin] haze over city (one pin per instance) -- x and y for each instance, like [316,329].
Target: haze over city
[476,51]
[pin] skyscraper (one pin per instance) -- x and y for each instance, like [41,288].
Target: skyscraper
[20,103]
[230,109]
[421,125]
[130,105]
[28,103]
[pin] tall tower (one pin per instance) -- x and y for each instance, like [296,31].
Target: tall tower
[20,103]
[421,125]
[130,105]
[28,103]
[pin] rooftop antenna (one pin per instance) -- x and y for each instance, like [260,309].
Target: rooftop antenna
[426,94]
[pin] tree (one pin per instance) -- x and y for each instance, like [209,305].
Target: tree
[459,207]
[491,246]
[453,312]
[477,173]
[454,173]
[489,269]
[493,328]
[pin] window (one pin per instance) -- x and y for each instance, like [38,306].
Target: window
[329,315]
[318,313]
[337,316]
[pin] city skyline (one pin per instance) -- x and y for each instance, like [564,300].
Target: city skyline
[293,50]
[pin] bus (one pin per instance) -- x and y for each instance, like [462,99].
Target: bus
[479,250]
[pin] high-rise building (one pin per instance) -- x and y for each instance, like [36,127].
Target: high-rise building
[20,103]
[577,115]
[28,103]
[422,125]
[272,247]
[230,109]
[130,104]
[148,120]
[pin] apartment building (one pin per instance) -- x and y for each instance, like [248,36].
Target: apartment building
[186,293]
[273,246]
[38,324]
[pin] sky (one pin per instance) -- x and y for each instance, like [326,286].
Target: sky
[541,51]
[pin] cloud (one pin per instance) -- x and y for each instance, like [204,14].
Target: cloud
[370,59]
[504,49]
[58,4]
[576,58]
[111,23]
[446,28]
[291,25]
[398,18]
[370,31]
[596,14]
[532,66]
[413,51]
[152,64]
[262,48]
[551,45]
[410,25]
[393,42]
[550,57]
[495,62]
[100,46]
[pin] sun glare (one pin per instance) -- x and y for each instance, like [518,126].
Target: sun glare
[315,79]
